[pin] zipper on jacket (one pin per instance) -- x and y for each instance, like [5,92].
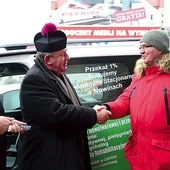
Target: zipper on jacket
[132,92]
[166,105]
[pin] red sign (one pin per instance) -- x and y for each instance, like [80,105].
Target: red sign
[129,15]
[103,32]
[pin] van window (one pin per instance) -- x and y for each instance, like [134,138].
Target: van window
[12,69]
[100,79]
[11,100]
[11,76]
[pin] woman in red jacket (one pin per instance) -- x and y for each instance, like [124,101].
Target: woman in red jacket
[147,100]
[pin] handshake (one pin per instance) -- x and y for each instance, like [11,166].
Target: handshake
[102,113]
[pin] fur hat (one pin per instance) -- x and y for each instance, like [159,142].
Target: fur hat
[158,39]
[50,39]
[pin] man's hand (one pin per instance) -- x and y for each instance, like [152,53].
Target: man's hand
[102,114]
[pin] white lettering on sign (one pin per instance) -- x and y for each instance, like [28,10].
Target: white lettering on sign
[103,32]
[137,32]
[94,32]
[121,32]
[119,135]
[103,74]
[108,88]
[78,32]
[130,15]
[110,149]
[97,68]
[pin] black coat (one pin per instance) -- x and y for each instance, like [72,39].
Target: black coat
[2,144]
[58,138]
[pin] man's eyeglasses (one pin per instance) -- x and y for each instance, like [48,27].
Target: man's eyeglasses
[144,47]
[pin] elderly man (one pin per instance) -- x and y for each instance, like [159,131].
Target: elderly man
[49,103]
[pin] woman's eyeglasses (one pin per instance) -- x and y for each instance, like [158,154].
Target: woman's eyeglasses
[144,47]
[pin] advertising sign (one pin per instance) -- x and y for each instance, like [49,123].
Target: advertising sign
[106,18]
[107,142]
[96,83]
[102,32]
[130,15]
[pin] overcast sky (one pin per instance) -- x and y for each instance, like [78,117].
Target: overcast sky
[21,19]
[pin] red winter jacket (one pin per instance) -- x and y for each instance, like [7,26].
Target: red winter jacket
[148,147]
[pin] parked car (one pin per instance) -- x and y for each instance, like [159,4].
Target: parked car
[99,73]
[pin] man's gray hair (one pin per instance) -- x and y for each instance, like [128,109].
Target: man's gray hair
[41,55]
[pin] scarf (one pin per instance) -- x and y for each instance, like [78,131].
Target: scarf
[68,89]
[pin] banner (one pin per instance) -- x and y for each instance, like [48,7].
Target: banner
[102,32]
[96,81]
[106,19]
[106,144]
